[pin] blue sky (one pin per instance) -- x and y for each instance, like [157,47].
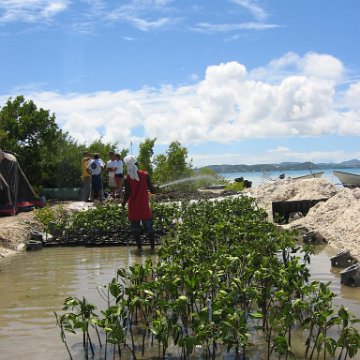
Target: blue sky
[235,81]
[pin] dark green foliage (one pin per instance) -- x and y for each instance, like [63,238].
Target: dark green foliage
[98,225]
[173,165]
[146,152]
[33,135]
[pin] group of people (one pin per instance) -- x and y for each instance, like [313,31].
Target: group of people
[92,170]
[137,186]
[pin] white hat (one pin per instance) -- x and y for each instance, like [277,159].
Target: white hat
[130,162]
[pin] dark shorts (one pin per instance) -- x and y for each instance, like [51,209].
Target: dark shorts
[96,182]
[119,176]
[137,226]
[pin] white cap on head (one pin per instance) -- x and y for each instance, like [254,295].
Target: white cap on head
[130,162]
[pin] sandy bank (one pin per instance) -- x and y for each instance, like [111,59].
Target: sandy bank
[15,230]
[337,219]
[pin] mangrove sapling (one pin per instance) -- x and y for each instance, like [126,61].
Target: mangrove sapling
[147,308]
[286,320]
[112,326]
[240,303]
[349,339]
[320,318]
[205,330]
[217,275]
[161,329]
[64,324]
[234,332]
[82,318]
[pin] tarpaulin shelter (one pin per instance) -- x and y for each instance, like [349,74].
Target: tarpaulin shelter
[16,193]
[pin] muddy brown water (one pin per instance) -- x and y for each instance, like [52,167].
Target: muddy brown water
[34,284]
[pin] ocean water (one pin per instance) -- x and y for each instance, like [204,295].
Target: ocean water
[258,177]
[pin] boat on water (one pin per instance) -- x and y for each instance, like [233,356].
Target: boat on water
[309,176]
[349,180]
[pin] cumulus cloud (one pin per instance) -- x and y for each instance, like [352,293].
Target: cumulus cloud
[228,104]
[352,96]
[322,66]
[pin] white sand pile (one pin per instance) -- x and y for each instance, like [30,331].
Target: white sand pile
[291,190]
[337,219]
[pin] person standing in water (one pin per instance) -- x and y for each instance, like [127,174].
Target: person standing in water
[94,168]
[137,184]
[85,177]
[119,174]
[111,168]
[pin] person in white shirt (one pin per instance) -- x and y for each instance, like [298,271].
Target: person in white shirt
[111,169]
[94,168]
[119,174]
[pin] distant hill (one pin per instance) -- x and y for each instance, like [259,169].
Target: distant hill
[351,163]
[284,166]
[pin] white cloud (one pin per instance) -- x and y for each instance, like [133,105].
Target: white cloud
[53,8]
[279,149]
[222,28]
[322,66]
[146,25]
[30,10]
[251,7]
[227,105]
[144,15]
[352,96]
[312,65]
[257,11]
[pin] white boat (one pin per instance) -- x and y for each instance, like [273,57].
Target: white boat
[309,176]
[349,180]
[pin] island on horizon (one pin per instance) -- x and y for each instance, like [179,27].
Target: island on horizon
[284,166]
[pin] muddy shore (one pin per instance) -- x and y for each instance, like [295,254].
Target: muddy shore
[336,220]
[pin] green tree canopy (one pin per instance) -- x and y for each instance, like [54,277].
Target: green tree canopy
[173,165]
[146,152]
[32,135]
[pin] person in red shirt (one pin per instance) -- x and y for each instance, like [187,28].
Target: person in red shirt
[137,184]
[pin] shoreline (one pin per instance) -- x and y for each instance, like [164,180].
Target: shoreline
[335,219]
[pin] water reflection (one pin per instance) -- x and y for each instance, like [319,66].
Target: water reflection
[33,285]
[322,270]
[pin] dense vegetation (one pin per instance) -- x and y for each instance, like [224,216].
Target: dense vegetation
[225,281]
[100,225]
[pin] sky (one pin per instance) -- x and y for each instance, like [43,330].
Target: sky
[234,81]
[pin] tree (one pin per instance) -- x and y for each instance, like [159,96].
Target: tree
[160,173]
[33,136]
[176,161]
[173,165]
[146,152]
[67,164]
